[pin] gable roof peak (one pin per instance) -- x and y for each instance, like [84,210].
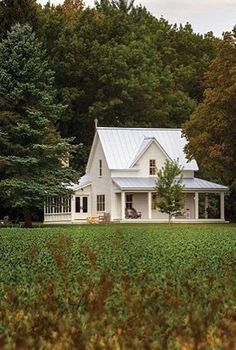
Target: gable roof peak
[120,145]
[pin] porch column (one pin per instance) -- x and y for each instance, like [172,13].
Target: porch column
[72,207]
[196,198]
[149,205]
[206,206]
[222,205]
[122,205]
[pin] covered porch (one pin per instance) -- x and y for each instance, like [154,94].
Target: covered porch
[200,204]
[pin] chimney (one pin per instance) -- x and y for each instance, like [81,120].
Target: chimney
[96,123]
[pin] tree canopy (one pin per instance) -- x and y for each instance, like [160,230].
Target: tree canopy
[17,11]
[211,130]
[125,68]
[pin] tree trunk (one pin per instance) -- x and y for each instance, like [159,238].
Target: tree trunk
[170,218]
[27,218]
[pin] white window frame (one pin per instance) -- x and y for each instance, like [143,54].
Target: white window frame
[58,205]
[152,167]
[100,167]
[129,201]
[101,203]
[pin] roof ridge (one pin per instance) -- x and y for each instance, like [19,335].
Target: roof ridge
[123,128]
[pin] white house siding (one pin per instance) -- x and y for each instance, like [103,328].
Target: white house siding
[140,203]
[156,214]
[153,152]
[120,173]
[188,174]
[189,204]
[100,185]
[57,218]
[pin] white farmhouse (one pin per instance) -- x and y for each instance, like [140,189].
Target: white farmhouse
[121,174]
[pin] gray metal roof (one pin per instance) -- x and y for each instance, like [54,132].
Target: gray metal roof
[148,183]
[121,145]
[83,182]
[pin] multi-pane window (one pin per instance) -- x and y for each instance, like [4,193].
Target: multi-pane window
[152,167]
[81,204]
[77,204]
[100,168]
[129,201]
[101,202]
[57,205]
[154,201]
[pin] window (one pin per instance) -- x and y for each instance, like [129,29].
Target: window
[77,204]
[152,167]
[154,201]
[57,205]
[85,204]
[100,167]
[129,201]
[81,204]
[101,202]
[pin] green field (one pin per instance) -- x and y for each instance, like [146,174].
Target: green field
[118,287]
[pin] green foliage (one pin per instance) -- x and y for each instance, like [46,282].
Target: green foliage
[31,149]
[118,287]
[211,130]
[123,67]
[169,188]
[17,11]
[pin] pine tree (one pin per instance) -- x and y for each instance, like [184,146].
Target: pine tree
[17,11]
[169,189]
[32,151]
[123,5]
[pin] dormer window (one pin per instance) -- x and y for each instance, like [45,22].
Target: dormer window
[100,168]
[152,167]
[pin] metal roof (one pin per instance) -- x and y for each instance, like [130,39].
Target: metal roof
[120,145]
[148,183]
[147,141]
[83,182]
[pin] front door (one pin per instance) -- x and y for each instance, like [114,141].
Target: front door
[81,207]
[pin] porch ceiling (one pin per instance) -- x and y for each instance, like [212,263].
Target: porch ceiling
[148,184]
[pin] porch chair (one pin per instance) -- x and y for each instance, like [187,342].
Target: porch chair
[132,214]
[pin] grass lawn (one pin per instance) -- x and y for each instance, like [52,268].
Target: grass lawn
[143,286]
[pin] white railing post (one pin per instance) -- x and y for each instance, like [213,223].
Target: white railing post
[222,205]
[122,205]
[206,206]
[149,205]
[72,207]
[196,198]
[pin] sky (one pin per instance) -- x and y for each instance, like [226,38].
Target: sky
[204,15]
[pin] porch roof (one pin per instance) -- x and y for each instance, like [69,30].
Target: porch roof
[84,181]
[148,184]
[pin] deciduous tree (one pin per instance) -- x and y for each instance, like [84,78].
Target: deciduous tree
[169,189]
[211,131]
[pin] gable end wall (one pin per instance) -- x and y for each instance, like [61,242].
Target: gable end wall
[100,185]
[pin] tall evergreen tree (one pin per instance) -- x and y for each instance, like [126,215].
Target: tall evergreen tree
[32,151]
[17,11]
[123,5]
[211,131]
